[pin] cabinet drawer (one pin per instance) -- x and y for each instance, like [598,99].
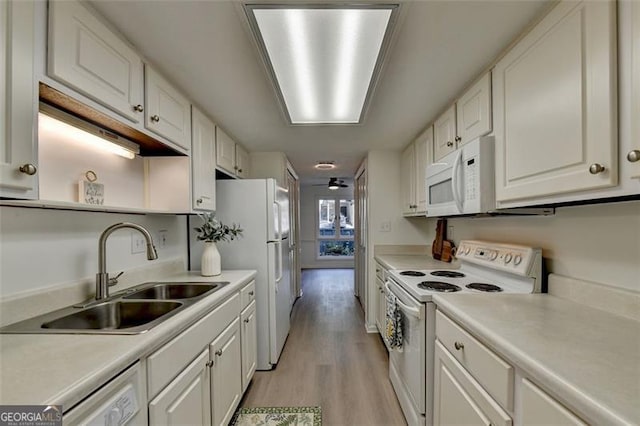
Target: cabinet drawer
[381,272]
[247,294]
[165,364]
[495,375]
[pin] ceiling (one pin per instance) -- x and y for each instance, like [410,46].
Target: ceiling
[206,49]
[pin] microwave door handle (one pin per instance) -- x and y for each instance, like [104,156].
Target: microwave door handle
[454,181]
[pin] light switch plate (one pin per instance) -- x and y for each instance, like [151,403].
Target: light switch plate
[138,244]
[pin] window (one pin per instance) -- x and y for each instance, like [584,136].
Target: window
[335,228]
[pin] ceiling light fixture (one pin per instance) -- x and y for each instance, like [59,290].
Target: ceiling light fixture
[325,165]
[57,121]
[324,59]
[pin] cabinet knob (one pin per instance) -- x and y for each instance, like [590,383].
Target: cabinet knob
[210,363]
[138,108]
[239,170]
[596,168]
[199,201]
[459,346]
[458,138]
[155,118]
[633,156]
[246,320]
[28,169]
[449,144]
[219,352]
[251,293]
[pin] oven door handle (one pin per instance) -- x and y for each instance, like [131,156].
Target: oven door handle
[454,181]
[416,312]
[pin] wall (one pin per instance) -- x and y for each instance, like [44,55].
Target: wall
[41,248]
[308,196]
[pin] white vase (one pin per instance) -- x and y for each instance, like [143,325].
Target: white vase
[210,260]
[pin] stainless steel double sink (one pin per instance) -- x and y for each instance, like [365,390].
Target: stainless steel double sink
[132,311]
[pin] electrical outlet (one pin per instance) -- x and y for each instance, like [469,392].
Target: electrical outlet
[450,232]
[138,243]
[385,226]
[162,238]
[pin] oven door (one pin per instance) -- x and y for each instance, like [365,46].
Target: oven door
[407,366]
[443,186]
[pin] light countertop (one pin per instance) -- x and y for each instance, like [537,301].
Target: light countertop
[413,261]
[64,368]
[586,358]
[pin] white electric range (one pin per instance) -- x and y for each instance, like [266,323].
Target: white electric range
[486,268]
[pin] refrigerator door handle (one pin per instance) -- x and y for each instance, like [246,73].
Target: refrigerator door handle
[279,264]
[279,219]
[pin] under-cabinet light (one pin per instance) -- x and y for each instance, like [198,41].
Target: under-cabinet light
[68,126]
[324,58]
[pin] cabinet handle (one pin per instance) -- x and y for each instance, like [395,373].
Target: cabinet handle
[449,144]
[239,170]
[219,352]
[155,118]
[251,293]
[246,320]
[633,156]
[459,346]
[199,201]
[596,168]
[28,169]
[458,138]
[138,108]
[210,363]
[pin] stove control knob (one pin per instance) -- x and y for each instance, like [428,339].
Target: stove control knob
[517,259]
[493,255]
[467,250]
[508,258]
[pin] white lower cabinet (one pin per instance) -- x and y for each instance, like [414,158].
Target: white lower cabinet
[249,344]
[381,306]
[187,399]
[226,371]
[538,408]
[459,399]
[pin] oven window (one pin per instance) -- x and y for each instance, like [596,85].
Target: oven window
[441,193]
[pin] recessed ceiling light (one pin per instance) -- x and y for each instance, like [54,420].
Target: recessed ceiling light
[325,165]
[324,58]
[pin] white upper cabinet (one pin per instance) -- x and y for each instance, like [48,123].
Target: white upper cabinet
[87,56]
[203,162]
[167,111]
[473,111]
[423,149]
[632,153]
[445,133]
[407,179]
[555,100]
[18,165]
[225,151]
[242,162]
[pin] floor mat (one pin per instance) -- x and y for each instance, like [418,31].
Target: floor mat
[278,416]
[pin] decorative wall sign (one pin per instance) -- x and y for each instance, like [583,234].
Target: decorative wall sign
[90,192]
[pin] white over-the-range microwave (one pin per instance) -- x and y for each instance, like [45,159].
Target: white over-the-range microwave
[462,182]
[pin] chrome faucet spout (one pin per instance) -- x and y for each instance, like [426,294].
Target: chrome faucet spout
[102,277]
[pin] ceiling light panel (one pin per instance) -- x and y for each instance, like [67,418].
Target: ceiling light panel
[323,58]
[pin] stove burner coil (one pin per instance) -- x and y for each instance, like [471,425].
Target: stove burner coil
[489,288]
[447,274]
[412,274]
[439,286]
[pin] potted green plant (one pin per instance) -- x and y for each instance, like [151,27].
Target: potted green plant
[212,231]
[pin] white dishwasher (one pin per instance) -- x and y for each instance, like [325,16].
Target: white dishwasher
[122,401]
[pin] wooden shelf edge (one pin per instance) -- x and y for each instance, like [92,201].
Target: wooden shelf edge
[66,205]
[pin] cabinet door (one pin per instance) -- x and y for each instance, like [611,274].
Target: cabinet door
[187,399]
[424,149]
[555,105]
[225,152]
[380,306]
[87,56]
[203,162]
[473,111]
[458,399]
[444,134]
[538,408]
[407,179]
[242,162]
[226,374]
[168,112]
[633,152]
[17,100]
[249,334]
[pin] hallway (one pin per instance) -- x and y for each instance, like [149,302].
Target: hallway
[329,360]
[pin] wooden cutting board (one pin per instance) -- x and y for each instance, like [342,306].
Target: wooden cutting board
[442,249]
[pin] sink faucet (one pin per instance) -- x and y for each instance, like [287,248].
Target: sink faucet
[102,277]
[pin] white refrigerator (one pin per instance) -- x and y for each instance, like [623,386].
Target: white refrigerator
[262,210]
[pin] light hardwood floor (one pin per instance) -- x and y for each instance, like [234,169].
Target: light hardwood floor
[329,360]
